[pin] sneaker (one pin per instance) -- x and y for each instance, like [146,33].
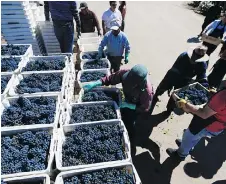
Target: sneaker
[178,142]
[173,153]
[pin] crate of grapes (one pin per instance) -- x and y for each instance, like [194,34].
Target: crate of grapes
[27,151]
[103,63]
[87,145]
[194,93]
[119,173]
[84,56]
[6,81]
[34,179]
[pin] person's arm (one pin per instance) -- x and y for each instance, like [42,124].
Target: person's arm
[96,23]
[127,46]
[124,13]
[75,14]
[102,45]
[145,101]
[46,10]
[103,27]
[114,78]
[210,26]
[201,74]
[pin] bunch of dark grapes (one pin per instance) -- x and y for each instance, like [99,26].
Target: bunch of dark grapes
[91,76]
[9,64]
[13,50]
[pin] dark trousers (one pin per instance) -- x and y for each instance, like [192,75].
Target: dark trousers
[217,74]
[170,80]
[115,63]
[123,25]
[211,48]
[64,31]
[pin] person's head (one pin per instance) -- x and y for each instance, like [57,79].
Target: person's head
[122,3]
[137,77]
[83,7]
[198,53]
[113,5]
[115,27]
[223,18]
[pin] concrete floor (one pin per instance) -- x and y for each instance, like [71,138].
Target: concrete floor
[158,33]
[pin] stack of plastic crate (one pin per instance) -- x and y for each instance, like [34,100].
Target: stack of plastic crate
[19,25]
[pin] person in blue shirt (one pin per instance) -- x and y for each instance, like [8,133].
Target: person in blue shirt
[62,14]
[116,42]
[188,65]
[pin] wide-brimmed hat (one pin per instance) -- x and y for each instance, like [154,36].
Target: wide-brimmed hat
[202,59]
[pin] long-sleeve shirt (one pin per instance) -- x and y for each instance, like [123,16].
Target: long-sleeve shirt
[214,25]
[186,69]
[142,98]
[62,10]
[115,44]
[89,21]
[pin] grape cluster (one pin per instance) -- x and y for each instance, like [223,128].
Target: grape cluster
[95,112]
[96,64]
[9,64]
[4,81]
[27,181]
[13,49]
[91,76]
[194,95]
[104,176]
[91,55]
[24,152]
[29,111]
[40,64]
[40,83]
[93,144]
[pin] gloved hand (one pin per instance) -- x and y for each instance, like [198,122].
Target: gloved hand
[92,85]
[181,103]
[128,105]
[126,58]
[99,56]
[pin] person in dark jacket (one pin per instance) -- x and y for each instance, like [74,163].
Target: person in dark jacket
[88,19]
[213,13]
[138,93]
[219,69]
[188,65]
[62,13]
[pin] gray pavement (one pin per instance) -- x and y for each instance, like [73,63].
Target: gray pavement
[158,33]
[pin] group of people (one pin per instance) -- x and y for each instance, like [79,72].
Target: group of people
[140,97]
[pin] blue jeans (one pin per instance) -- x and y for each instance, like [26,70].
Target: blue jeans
[64,31]
[189,140]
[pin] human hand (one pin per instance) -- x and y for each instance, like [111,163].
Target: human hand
[128,105]
[181,103]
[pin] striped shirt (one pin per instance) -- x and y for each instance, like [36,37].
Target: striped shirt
[115,44]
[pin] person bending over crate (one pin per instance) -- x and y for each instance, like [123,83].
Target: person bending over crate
[138,93]
[188,65]
[116,41]
[209,120]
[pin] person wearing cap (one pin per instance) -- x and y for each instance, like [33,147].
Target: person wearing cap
[216,29]
[208,121]
[188,65]
[62,13]
[88,19]
[110,15]
[116,42]
[137,89]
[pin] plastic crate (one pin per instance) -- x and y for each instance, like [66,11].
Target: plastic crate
[92,60]
[130,167]
[85,53]
[66,116]
[6,103]
[69,128]
[81,84]
[90,40]
[88,35]
[10,82]
[27,179]
[89,47]
[52,131]
[18,78]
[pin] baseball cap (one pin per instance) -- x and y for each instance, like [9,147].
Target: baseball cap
[115,25]
[83,5]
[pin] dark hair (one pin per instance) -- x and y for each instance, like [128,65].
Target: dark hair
[112,2]
[121,6]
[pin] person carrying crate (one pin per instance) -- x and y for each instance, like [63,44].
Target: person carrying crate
[116,42]
[188,65]
[209,120]
[138,93]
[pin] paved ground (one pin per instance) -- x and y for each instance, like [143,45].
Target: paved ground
[158,33]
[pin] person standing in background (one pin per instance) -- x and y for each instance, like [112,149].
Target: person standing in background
[122,9]
[112,14]
[62,13]
[88,19]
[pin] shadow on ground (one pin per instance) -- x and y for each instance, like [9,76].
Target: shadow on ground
[209,159]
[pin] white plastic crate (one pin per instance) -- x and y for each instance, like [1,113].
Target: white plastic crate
[10,82]
[83,62]
[18,78]
[129,167]
[91,40]
[66,116]
[6,103]
[30,179]
[81,84]
[89,47]
[69,128]
[88,35]
[53,133]
[86,53]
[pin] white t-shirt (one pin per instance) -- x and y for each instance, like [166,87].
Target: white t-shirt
[109,16]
